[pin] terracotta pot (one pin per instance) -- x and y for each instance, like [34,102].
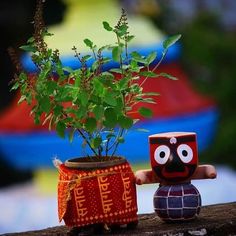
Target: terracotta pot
[96,192]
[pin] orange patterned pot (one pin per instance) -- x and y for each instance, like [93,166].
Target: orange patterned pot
[100,192]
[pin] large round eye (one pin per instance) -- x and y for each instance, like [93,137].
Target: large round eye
[162,154]
[185,153]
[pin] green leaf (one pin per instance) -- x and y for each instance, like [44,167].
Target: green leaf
[107,75]
[116,70]
[98,86]
[77,82]
[90,124]
[123,83]
[110,99]
[84,98]
[136,88]
[57,110]
[30,40]
[45,71]
[15,86]
[23,77]
[147,100]
[145,112]
[125,122]
[116,53]
[129,38]
[63,93]
[137,57]
[171,40]
[60,128]
[29,98]
[107,26]
[28,48]
[119,108]
[168,76]
[151,57]
[82,112]
[46,33]
[68,69]
[37,118]
[86,57]
[98,111]
[23,88]
[45,104]
[95,143]
[95,65]
[121,140]
[51,85]
[122,30]
[151,94]
[134,66]
[22,98]
[104,47]
[74,94]
[150,74]
[110,118]
[88,43]
[93,100]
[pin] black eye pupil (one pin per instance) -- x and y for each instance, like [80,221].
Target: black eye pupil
[184,153]
[162,154]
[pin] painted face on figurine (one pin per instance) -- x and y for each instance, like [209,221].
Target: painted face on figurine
[173,155]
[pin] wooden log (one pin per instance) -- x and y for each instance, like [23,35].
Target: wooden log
[216,220]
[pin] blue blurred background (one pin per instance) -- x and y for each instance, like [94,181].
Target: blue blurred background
[202,100]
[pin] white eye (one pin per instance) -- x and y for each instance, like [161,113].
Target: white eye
[162,154]
[185,153]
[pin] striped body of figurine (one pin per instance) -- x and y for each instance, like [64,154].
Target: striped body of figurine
[177,202]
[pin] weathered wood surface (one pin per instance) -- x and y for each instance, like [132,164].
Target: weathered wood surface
[213,220]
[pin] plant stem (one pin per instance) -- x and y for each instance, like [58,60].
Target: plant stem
[157,65]
[99,151]
[121,61]
[107,145]
[163,56]
[116,143]
[85,138]
[94,54]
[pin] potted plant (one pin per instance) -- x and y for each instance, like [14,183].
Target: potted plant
[98,188]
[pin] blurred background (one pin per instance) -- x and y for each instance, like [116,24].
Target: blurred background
[202,100]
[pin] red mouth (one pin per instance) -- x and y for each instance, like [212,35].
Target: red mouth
[175,174]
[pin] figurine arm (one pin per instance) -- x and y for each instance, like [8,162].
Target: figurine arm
[205,172]
[145,177]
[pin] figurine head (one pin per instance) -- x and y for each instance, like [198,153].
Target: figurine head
[174,156]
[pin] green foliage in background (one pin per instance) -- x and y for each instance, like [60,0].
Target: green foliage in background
[209,54]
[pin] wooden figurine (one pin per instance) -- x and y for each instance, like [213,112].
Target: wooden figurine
[174,162]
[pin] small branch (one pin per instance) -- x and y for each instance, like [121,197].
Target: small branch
[121,61]
[163,56]
[85,138]
[156,66]
[94,54]
[117,142]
